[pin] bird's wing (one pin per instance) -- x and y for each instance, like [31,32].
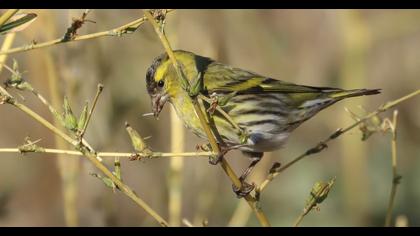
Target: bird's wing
[220,78]
[224,79]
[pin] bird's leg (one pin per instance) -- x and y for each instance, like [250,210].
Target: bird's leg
[246,188]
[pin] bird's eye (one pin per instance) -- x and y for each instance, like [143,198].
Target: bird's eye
[161,83]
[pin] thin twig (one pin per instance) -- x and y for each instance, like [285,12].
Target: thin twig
[318,194]
[215,147]
[323,144]
[127,28]
[56,114]
[113,154]
[95,100]
[395,177]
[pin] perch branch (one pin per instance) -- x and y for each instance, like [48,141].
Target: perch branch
[215,147]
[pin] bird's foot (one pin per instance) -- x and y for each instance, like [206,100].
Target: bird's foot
[244,190]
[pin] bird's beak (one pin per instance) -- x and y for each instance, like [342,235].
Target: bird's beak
[158,101]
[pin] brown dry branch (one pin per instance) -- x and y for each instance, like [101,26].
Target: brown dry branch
[212,140]
[119,31]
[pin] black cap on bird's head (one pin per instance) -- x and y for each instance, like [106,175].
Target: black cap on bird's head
[154,88]
[151,84]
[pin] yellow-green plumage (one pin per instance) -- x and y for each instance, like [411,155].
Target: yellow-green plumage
[267,110]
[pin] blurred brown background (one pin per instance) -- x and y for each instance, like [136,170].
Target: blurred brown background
[335,48]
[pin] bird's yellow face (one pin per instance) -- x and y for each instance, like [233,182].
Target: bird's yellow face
[156,84]
[161,79]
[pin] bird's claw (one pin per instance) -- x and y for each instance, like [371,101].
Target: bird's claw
[244,190]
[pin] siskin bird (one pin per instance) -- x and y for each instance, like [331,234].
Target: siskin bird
[261,111]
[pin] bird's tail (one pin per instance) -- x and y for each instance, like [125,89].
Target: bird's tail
[353,93]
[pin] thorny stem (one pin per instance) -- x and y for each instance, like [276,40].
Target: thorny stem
[323,144]
[88,153]
[129,27]
[215,147]
[395,177]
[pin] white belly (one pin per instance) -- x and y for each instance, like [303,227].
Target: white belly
[265,142]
